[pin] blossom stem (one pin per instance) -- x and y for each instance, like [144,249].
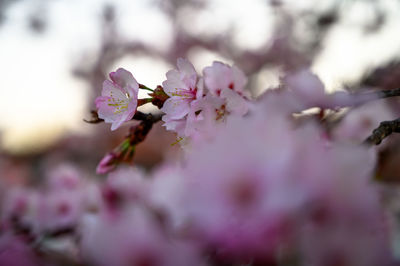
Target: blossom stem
[144,87]
[144,101]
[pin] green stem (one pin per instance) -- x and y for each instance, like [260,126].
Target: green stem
[141,86]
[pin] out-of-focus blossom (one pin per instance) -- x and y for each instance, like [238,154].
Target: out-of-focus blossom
[118,101]
[166,195]
[122,153]
[19,208]
[134,238]
[64,176]
[124,187]
[15,252]
[307,87]
[236,192]
[59,211]
[360,122]
[107,164]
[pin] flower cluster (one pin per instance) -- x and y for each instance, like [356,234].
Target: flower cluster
[258,186]
[194,105]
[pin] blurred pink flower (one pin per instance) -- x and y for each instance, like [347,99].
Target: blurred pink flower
[64,176]
[19,207]
[166,195]
[252,191]
[118,101]
[107,164]
[235,194]
[359,122]
[307,87]
[15,252]
[124,187]
[59,210]
[134,238]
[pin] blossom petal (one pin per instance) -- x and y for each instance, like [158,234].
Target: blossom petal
[125,80]
[236,104]
[176,107]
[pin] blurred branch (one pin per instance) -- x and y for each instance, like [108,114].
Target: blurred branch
[388,93]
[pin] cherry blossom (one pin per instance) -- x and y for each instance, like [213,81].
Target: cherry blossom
[118,101]
[256,183]
[184,89]
[134,238]
[228,83]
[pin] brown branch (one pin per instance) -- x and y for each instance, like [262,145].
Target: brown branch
[139,116]
[385,129]
[126,149]
[138,133]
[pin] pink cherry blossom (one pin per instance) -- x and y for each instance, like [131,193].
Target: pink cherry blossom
[220,76]
[307,87]
[59,210]
[134,238]
[14,251]
[20,206]
[64,176]
[246,196]
[107,164]
[228,83]
[118,101]
[360,122]
[185,89]
[124,187]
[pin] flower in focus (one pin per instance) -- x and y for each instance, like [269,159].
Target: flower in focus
[184,89]
[228,83]
[118,101]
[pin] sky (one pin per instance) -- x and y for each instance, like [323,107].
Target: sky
[41,99]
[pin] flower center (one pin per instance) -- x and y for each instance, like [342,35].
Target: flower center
[186,94]
[120,104]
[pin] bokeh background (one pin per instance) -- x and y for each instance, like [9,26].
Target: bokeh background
[55,54]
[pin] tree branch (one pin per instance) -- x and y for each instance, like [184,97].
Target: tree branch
[139,116]
[388,93]
[385,129]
